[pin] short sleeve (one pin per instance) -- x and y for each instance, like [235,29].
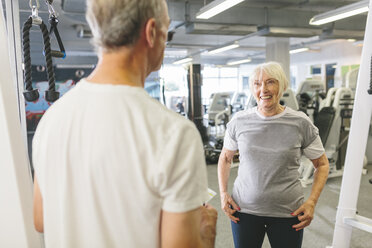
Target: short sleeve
[309,133]
[315,149]
[230,142]
[182,176]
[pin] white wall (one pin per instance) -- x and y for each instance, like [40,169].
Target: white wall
[340,52]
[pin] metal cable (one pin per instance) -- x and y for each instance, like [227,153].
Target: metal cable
[31,5]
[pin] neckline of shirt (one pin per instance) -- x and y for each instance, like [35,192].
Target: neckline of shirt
[83,83]
[271,117]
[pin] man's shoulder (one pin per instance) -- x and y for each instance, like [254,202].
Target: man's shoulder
[173,119]
[163,119]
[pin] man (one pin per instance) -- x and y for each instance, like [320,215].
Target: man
[114,168]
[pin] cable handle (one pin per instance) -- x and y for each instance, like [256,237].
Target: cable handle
[31,94]
[53,29]
[51,94]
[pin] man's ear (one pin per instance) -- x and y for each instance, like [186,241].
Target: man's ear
[150,32]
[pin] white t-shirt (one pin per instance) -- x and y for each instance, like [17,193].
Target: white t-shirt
[108,159]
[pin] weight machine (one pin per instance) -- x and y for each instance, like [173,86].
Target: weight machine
[347,217]
[17,229]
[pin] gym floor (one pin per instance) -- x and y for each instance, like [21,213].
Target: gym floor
[320,233]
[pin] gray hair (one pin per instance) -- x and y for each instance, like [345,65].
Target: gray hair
[116,23]
[272,70]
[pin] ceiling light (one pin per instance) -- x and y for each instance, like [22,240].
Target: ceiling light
[299,50]
[215,8]
[340,13]
[182,61]
[238,62]
[223,49]
[351,40]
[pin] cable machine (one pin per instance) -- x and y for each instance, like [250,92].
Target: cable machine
[16,226]
[347,217]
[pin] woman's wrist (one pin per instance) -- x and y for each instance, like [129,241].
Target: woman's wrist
[223,192]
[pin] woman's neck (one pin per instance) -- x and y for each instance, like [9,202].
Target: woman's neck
[277,109]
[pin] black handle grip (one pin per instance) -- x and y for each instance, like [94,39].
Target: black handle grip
[51,95]
[31,95]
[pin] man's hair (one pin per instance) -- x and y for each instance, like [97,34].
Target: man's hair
[273,70]
[116,23]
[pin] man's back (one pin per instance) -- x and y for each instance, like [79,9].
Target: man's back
[108,159]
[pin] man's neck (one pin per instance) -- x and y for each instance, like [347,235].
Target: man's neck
[121,67]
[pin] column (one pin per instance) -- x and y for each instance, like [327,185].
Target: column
[195,112]
[277,49]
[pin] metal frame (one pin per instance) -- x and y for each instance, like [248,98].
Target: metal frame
[346,217]
[15,55]
[16,227]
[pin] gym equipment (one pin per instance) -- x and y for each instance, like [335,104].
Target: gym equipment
[351,79]
[177,103]
[219,114]
[31,94]
[218,105]
[212,149]
[289,99]
[347,217]
[309,96]
[333,122]
[222,106]
[15,179]
[238,101]
[53,21]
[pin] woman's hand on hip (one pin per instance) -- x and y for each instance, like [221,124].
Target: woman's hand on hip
[229,207]
[305,214]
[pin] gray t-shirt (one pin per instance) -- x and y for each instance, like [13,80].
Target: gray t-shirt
[270,149]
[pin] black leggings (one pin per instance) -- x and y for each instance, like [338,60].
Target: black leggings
[250,231]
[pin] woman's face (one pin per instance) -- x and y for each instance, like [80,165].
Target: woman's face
[266,91]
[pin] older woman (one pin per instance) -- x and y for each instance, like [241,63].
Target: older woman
[267,195]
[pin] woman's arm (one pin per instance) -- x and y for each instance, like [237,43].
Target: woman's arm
[321,166]
[306,212]
[224,163]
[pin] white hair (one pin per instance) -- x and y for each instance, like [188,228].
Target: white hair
[116,23]
[273,70]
